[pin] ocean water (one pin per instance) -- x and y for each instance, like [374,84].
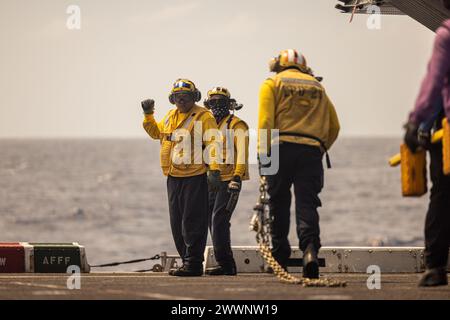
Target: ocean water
[110,196]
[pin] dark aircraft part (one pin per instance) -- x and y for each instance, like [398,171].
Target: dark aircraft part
[361,6]
[430,13]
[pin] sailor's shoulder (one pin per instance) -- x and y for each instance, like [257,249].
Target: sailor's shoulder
[443,32]
[202,113]
[270,80]
[171,112]
[238,122]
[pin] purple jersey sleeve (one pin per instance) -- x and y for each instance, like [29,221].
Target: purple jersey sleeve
[436,82]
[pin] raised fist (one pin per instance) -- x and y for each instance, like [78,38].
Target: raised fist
[148,106]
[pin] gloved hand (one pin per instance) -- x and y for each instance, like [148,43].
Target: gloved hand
[148,106]
[424,139]
[411,137]
[235,184]
[234,188]
[214,180]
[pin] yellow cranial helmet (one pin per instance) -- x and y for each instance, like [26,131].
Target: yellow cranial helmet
[184,86]
[291,58]
[287,59]
[219,91]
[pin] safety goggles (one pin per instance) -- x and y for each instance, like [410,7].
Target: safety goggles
[218,103]
[183,96]
[181,84]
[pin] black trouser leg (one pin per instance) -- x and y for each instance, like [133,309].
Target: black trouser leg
[437,223]
[279,189]
[302,166]
[176,214]
[308,183]
[189,214]
[219,225]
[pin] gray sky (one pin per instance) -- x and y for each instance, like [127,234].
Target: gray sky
[56,82]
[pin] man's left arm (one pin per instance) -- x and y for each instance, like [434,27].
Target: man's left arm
[242,141]
[151,126]
[438,70]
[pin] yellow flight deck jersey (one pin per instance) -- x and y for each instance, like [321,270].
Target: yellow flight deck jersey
[235,145]
[296,103]
[171,155]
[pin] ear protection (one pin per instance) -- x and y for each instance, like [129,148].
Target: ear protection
[171,99]
[235,106]
[231,104]
[274,64]
[221,91]
[206,104]
[196,94]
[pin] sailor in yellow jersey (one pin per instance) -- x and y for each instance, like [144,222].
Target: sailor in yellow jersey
[181,135]
[294,102]
[234,169]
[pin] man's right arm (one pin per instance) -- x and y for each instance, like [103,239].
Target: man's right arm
[152,127]
[334,126]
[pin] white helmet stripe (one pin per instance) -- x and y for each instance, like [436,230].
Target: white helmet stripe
[291,55]
[302,60]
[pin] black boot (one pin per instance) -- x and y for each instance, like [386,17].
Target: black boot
[434,277]
[228,269]
[310,262]
[186,271]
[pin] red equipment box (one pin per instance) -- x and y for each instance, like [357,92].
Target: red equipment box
[12,257]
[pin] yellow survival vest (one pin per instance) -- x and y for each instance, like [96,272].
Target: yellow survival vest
[170,142]
[228,168]
[302,112]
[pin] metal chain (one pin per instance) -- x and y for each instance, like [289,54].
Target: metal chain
[261,224]
[285,276]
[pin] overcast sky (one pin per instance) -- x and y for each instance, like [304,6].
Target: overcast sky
[56,82]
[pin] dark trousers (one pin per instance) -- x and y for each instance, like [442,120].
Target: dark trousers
[219,225]
[437,223]
[301,166]
[188,208]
